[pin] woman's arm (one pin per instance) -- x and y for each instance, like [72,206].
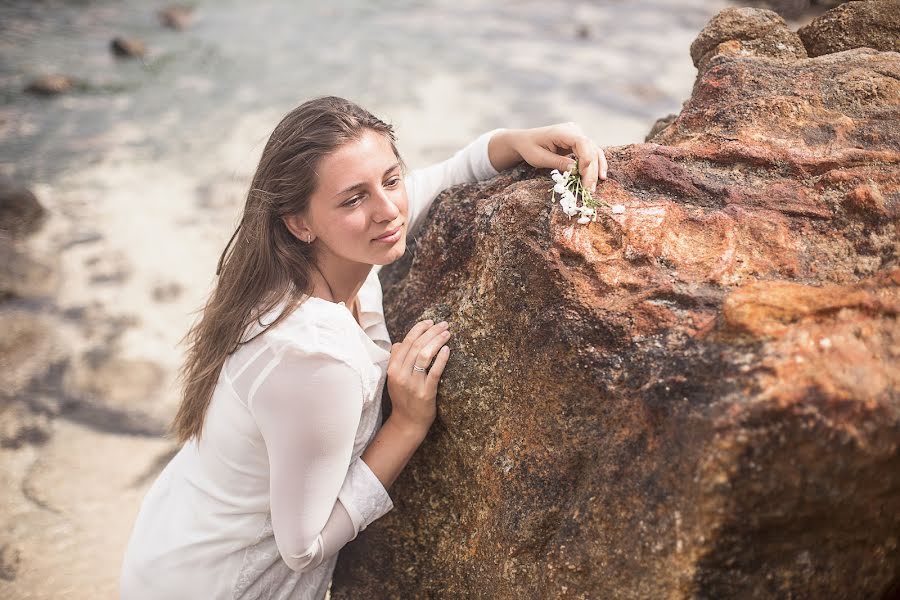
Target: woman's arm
[308,406]
[501,149]
[391,449]
[548,147]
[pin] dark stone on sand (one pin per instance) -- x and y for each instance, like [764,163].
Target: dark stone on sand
[20,212]
[128,47]
[50,85]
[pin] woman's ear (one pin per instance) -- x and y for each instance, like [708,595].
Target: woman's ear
[296,224]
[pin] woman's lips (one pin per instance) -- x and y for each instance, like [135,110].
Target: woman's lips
[391,236]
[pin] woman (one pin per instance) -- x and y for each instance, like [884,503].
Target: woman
[284,457]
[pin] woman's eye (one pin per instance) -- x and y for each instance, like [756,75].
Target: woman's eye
[357,199]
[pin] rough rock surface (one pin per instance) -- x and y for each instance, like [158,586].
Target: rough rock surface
[696,398]
[870,24]
[746,32]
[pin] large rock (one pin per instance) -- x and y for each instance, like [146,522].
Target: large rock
[870,24]
[696,398]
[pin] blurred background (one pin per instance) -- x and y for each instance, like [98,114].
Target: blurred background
[129,131]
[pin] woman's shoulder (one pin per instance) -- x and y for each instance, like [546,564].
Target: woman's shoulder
[314,326]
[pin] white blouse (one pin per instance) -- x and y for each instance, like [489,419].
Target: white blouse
[277,486]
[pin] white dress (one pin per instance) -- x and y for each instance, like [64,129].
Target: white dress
[277,486]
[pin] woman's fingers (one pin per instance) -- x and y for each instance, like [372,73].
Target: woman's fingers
[423,349]
[586,151]
[437,368]
[402,348]
[541,156]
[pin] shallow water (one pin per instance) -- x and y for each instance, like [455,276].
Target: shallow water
[441,71]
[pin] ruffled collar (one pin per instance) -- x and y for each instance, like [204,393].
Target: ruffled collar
[371,327]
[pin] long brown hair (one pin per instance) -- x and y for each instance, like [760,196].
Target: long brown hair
[266,263]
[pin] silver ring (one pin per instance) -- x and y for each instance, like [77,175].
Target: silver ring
[418,368]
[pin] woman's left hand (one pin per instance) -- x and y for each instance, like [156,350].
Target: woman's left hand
[546,147]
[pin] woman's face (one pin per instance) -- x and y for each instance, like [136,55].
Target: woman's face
[360,196]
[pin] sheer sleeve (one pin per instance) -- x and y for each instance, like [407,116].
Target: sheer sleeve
[469,164]
[308,407]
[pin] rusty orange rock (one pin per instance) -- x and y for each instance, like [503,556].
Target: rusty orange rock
[696,398]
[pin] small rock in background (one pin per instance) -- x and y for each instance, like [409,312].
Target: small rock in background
[50,85]
[176,16]
[20,211]
[128,47]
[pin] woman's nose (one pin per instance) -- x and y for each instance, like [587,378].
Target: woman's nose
[388,209]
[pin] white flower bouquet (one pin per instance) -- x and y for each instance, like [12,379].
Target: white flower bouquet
[568,185]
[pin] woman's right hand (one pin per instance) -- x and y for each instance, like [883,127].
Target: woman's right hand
[413,393]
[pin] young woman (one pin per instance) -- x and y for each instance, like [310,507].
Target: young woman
[284,457]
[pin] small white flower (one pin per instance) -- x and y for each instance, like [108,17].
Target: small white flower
[568,206]
[568,195]
[584,220]
[587,211]
[618,208]
[559,188]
